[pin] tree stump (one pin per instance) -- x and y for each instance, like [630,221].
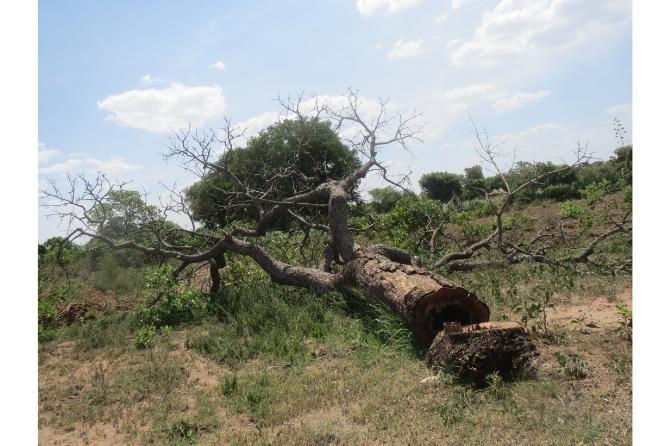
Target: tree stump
[477,350]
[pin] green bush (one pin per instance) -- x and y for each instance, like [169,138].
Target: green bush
[168,305]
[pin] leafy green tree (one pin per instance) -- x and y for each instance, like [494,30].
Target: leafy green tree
[441,186]
[273,154]
[385,198]
[474,173]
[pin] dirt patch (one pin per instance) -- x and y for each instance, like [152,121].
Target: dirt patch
[98,434]
[600,312]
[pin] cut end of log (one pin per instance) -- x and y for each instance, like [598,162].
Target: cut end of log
[475,351]
[445,305]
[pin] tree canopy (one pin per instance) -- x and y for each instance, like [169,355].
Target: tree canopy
[441,185]
[271,156]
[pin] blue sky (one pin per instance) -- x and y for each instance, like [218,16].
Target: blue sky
[114,77]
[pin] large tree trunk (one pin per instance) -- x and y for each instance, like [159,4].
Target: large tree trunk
[424,300]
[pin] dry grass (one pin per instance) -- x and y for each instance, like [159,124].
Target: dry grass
[350,390]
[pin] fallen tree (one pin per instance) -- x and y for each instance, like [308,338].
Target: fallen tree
[385,274]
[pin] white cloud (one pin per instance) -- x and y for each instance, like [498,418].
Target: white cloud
[148,79]
[376,47]
[455,4]
[407,49]
[452,42]
[441,18]
[159,110]
[61,167]
[43,154]
[472,90]
[219,65]
[366,7]
[518,100]
[115,165]
[622,109]
[520,27]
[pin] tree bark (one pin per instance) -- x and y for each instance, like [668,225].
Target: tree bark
[424,300]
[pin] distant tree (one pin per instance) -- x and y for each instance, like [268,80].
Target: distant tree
[441,186]
[385,198]
[474,173]
[281,153]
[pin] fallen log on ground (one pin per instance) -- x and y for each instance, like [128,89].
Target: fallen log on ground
[424,300]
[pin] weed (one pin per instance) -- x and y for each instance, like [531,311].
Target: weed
[580,321]
[626,322]
[144,336]
[572,364]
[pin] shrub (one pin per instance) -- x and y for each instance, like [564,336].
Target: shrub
[168,305]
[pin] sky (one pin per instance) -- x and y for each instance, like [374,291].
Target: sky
[115,78]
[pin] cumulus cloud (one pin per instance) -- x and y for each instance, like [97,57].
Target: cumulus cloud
[466,92]
[441,18]
[405,49]
[366,7]
[115,165]
[515,28]
[43,154]
[61,167]
[159,110]
[622,109]
[219,65]
[518,100]
[148,80]
[376,47]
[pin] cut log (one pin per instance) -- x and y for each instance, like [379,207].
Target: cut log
[475,351]
[424,300]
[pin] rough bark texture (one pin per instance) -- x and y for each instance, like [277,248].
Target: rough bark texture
[477,350]
[424,300]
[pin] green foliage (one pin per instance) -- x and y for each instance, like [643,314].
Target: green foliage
[274,151]
[474,173]
[626,322]
[144,336]
[388,328]
[168,304]
[572,364]
[598,210]
[266,319]
[570,210]
[409,217]
[385,199]
[58,251]
[441,186]
[474,232]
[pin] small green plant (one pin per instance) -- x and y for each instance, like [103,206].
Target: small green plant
[572,364]
[535,312]
[497,386]
[229,386]
[144,336]
[570,210]
[626,322]
[580,321]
